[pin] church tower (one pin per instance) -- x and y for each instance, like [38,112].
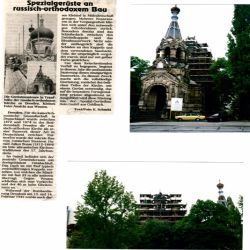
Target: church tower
[221,198]
[172,47]
[168,76]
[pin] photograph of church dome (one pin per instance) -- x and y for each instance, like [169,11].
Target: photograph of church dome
[29,38]
[40,45]
[195,68]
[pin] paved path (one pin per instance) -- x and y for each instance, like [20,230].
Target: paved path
[195,126]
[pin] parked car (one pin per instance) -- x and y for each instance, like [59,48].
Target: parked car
[220,117]
[214,118]
[190,117]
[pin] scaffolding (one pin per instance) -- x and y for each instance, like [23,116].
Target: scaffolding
[167,207]
[199,61]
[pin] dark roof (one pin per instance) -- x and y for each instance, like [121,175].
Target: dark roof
[42,31]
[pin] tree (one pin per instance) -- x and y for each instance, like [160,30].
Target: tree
[138,68]
[107,217]
[209,226]
[239,60]
[222,85]
[234,220]
[240,205]
[154,234]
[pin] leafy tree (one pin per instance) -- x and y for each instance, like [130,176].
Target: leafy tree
[239,60]
[222,84]
[208,225]
[155,234]
[234,220]
[240,205]
[107,217]
[138,68]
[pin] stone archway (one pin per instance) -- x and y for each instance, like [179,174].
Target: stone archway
[156,99]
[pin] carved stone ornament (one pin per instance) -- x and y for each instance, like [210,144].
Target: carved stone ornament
[159,61]
[172,43]
[156,77]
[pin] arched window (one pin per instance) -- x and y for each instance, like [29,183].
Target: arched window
[178,53]
[167,53]
[160,65]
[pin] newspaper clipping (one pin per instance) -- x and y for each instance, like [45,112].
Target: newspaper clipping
[59,59]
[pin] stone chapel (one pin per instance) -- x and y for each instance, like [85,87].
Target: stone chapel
[169,75]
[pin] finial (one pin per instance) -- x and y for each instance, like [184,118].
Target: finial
[220,185]
[175,10]
[31,28]
[41,21]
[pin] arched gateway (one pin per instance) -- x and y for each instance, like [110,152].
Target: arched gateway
[156,99]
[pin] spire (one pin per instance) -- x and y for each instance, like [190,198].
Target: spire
[221,198]
[173,29]
[40,72]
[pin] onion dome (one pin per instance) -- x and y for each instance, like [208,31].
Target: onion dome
[175,10]
[31,28]
[221,198]
[220,185]
[42,31]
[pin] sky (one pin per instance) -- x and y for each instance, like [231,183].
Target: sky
[149,23]
[194,180]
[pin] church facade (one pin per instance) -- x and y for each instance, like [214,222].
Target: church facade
[169,76]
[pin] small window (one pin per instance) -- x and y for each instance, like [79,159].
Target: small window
[178,53]
[167,53]
[160,65]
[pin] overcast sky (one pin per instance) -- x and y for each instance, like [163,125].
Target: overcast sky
[208,23]
[192,180]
